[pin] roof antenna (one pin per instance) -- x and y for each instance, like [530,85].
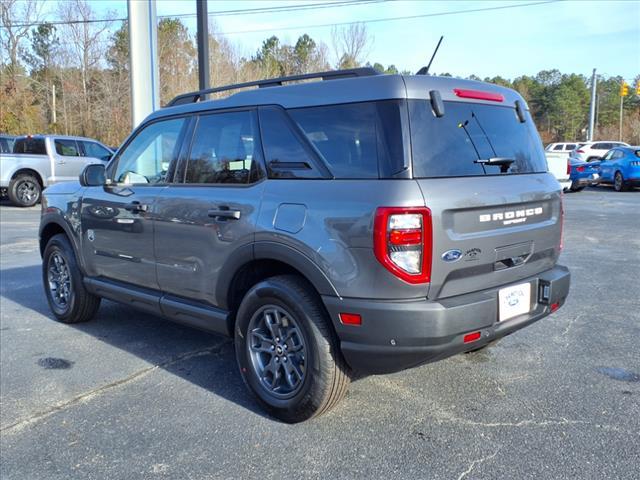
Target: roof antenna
[425,70]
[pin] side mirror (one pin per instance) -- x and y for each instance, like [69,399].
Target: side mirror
[93,175]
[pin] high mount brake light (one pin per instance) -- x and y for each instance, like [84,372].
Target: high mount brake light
[478,95]
[403,242]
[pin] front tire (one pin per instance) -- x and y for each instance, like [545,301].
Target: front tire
[69,301]
[286,349]
[618,182]
[24,190]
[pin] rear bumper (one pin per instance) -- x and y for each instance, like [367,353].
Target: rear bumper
[586,181]
[396,335]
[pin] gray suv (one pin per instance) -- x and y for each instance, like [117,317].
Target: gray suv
[363,223]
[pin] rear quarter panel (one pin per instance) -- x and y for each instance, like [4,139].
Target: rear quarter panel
[331,223]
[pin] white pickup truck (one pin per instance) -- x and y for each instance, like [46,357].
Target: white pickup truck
[40,160]
[558,161]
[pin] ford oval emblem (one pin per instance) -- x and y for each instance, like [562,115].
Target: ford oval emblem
[451,255]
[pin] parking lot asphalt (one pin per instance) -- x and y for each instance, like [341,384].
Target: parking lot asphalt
[130,396]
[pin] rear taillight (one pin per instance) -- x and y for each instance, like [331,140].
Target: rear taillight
[568,168]
[402,242]
[579,151]
[580,168]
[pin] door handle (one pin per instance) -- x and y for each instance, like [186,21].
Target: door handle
[224,212]
[136,207]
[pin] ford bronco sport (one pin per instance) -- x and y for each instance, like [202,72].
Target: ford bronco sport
[365,222]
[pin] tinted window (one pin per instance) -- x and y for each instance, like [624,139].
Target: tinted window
[6,144]
[68,148]
[601,146]
[358,140]
[570,146]
[147,157]
[34,146]
[286,157]
[92,149]
[225,149]
[558,147]
[451,146]
[618,154]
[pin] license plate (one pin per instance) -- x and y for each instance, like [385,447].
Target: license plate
[514,301]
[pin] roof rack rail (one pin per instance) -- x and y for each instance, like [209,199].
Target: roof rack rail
[193,97]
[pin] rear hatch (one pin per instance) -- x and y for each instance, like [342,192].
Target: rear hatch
[496,212]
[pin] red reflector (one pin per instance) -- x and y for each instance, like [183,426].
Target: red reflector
[471,337]
[580,168]
[555,306]
[478,95]
[350,319]
[405,237]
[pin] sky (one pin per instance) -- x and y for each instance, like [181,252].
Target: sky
[571,36]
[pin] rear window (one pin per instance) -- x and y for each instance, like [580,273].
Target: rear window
[451,146]
[34,146]
[358,140]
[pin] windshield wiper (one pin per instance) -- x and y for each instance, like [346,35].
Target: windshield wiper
[503,162]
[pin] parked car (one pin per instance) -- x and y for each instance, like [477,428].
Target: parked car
[38,161]
[558,164]
[562,147]
[583,174]
[365,222]
[592,151]
[6,143]
[621,167]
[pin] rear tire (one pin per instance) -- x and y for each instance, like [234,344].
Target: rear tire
[619,183]
[24,190]
[68,299]
[287,351]
[576,188]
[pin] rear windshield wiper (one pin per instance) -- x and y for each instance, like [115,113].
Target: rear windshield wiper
[503,162]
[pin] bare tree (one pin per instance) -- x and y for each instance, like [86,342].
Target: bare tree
[17,17]
[351,45]
[86,42]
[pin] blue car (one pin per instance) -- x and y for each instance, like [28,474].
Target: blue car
[621,167]
[583,174]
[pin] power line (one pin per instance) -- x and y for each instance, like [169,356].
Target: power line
[221,13]
[390,19]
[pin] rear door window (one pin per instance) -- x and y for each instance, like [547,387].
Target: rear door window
[225,149]
[358,140]
[33,146]
[66,147]
[558,147]
[468,135]
[570,146]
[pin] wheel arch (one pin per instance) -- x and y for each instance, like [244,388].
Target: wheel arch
[28,171]
[267,259]
[51,225]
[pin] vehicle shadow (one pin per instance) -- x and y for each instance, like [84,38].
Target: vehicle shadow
[155,340]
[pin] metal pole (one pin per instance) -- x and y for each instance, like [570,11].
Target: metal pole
[203,44]
[621,102]
[53,104]
[143,48]
[592,108]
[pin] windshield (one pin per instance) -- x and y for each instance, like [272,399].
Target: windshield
[472,139]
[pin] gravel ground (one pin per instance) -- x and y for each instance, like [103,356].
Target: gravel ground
[129,395]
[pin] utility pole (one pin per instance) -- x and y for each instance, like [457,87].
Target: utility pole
[53,103]
[624,91]
[143,56]
[203,44]
[592,108]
